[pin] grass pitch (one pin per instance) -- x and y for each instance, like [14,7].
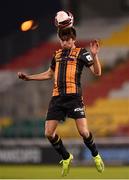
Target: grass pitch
[54,172]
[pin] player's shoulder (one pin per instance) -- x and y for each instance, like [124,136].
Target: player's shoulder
[57,54]
[83,50]
[58,51]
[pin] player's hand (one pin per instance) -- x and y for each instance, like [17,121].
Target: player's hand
[23,76]
[94,47]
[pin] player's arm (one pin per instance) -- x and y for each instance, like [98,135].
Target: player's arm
[96,67]
[37,77]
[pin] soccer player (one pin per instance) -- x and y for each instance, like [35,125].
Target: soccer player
[66,68]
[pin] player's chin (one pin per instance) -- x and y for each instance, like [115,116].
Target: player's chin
[66,47]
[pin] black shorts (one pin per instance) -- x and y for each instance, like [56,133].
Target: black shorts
[61,107]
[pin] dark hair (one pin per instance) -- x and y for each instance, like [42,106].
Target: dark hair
[65,34]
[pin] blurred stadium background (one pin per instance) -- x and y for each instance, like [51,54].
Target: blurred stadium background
[23,105]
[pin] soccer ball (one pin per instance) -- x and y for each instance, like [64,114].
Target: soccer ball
[64,19]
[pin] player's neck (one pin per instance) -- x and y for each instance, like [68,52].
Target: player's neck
[73,47]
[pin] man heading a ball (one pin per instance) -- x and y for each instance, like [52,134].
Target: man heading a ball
[66,68]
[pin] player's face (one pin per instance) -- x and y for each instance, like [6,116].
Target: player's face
[67,43]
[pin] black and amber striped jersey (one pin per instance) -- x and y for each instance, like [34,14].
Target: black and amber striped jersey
[67,65]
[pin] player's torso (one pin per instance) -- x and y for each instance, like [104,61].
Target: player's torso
[68,70]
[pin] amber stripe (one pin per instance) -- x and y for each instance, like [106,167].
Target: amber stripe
[70,77]
[71,72]
[55,90]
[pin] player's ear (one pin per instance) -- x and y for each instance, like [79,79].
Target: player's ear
[74,40]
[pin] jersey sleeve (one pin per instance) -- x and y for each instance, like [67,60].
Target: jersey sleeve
[86,58]
[53,63]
